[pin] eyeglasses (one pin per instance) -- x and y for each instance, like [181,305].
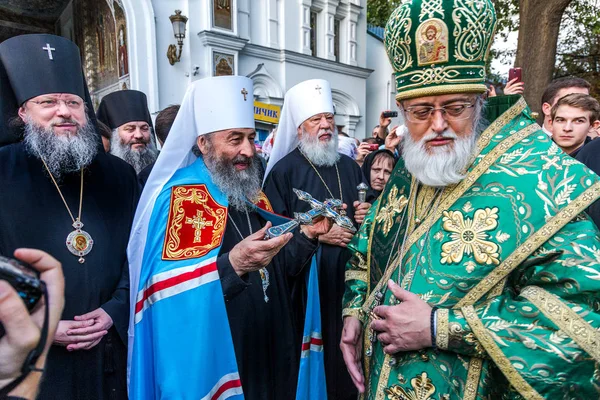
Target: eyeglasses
[316,119]
[451,112]
[50,104]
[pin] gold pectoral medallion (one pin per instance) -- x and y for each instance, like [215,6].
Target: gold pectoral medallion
[79,242]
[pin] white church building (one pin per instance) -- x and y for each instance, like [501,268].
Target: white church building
[131,44]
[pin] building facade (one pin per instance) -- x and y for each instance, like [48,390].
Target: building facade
[277,43]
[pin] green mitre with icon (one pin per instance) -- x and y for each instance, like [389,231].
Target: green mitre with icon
[440,46]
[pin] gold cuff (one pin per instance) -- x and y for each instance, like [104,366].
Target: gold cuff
[442,333]
[356,276]
[354,312]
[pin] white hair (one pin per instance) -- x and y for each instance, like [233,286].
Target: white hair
[441,166]
[322,154]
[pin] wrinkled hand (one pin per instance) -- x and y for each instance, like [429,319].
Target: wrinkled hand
[403,327]
[362,152]
[337,236]
[392,141]
[360,211]
[351,346]
[514,87]
[254,253]
[23,330]
[319,227]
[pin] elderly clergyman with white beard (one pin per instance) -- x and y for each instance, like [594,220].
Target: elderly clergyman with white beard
[62,193]
[198,260]
[126,113]
[305,156]
[476,274]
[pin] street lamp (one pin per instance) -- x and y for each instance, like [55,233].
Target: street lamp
[178,21]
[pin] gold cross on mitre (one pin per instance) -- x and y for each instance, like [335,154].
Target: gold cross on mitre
[245,93]
[198,223]
[49,50]
[318,88]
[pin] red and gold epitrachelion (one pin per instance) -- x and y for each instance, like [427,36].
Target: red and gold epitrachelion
[196,223]
[263,202]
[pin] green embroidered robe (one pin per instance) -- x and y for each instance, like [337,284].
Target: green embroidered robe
[511,261]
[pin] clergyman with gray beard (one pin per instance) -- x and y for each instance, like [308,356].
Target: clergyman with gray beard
[479,253]
[126,113]
[305,156]
[210,180]
[63,194]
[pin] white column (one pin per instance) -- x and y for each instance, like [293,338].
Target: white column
[352,34]
[329,14]
[243,21]
[273,23]
[305,26]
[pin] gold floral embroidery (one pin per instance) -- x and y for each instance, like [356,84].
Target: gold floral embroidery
[566,319]
[468,207]
[515,259]
[470,266]
[393,207]
[422,389]
[469,236]
[502,237]
[460,189]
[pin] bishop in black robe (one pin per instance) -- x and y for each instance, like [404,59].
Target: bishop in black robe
[33,215]
[264,333]
[294,171]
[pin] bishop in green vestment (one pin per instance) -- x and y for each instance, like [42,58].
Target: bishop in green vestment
[476,275]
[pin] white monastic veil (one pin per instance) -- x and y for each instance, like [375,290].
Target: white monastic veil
[209,105]
[300,103]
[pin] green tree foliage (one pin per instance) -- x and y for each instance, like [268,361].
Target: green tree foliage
[579,43]
[378,11]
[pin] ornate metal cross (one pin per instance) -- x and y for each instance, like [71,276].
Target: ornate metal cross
[198,223]
[329,209]
[245,93]
[49,50]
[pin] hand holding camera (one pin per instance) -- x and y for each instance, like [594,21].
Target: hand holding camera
[364,150]
[22,330]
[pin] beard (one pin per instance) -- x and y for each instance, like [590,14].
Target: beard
[440,166]
[322,154]
[240,186]
[138,159]
[63,154]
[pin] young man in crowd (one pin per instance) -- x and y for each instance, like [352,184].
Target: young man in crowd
[574,117]
[557,89]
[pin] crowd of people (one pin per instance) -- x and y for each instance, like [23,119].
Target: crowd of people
[454,256]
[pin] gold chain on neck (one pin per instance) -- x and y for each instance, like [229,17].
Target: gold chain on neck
[322,180]
[61,195]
